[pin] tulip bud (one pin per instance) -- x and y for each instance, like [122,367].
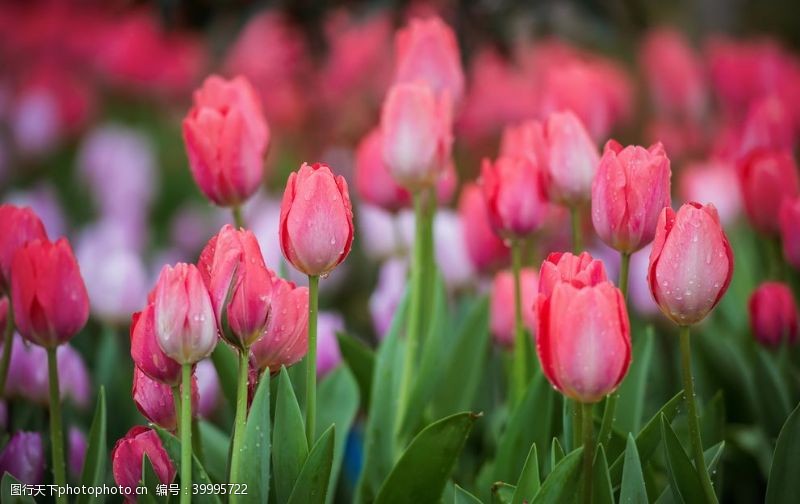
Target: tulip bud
[328,355]
[525,139]
[316,227]
[18,226]
[374,183]
[773,314]
[712,181]
[580,271]
[184,317]
[226,138]
[501,310]
[23,458]
[3,312]
[769,125]
[691,263]
[285,341]
[766,179]
[77,452]
[485,248]
[146,352]
[583,339]
[49,298]
[417,134]
[571,159]
[790,230]
[128,455]
[628,193]
[155,400]
[515,198]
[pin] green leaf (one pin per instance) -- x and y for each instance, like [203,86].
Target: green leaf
[215,451]
[255,446]
[601,482]
[94,465]
[683,477]
[422,471]
[632,392]
[226,364]
[773,394]
[337,405]
[784,485]
[712,457]
[528,483]
[562,483]
[199,475]
[502,493]
[633,490]
[712,421]
[7,483]
[556,453]
[361,361]
[312,484]
[464,497]
[289,445]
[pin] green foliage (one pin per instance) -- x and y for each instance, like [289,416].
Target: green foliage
[784,485]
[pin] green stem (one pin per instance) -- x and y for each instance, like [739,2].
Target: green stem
[624,266]
[56,427]
[776,262]
[520,371]
[186,434]
[577,423]
[588,451]
[575,219]
[692,418]
[240,417]
[8,343]
[176,398]
[237,216]
[311,368]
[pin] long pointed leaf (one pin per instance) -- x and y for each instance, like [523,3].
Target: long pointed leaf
[199,475]
[633,490]
[561,485]
[784,484]
[312,484]
[94,465]
[255,448]
[290,448]
[528,483]
[683,478]
[601,483]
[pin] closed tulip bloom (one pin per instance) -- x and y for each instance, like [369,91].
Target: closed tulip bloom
[128,454]
[427,50]
[790,230]
[48,294]
[184,317]
[18,226]
[226,139]
[417,134]
[501,321]
[630,189]
[571,159]
[484,247]
[766,179]
[691,263]
[316,226]
[583,340]
[374,182]
[581,271]
[146,352]
[23,458]
[515,198]
[285,341]
[155,400]
[773,314]
[525,139]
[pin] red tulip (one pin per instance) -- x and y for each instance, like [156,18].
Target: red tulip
[226,138]
[580,271]
[128,454]
[184,316]
[583,339]
[769,125]
[501,311]
[484,247]
[417,134]
[789,219]
[285,340]
[146,352]
[50,300]
[156,401]
[515,198]
[17,227]
[766,179]
[773,314]
[316,224]
[630,189]
[571,159]
[691,263]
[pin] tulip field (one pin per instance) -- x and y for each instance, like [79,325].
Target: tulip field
[399,252]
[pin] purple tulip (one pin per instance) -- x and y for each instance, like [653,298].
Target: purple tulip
[208,388]
[23,458]
[77,452]
[43,201]
[328,355]
[387,295]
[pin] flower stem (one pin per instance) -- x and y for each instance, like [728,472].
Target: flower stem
[588,451]
[8,343]
[238,219]
[56,427]
[186,434]
[575,219]
[311,368]
[520,371]
[624,266]
[176,398]
[240,417]
[692,418]
[577,423]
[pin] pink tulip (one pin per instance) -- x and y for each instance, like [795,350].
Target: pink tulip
[450,251]
[630,189]
[526,139]
[769,125]
[486,250]
[766,179]
[285,341]
[427,50]
[23,458]
[183,314]
[580,271]
[388,293]
[17,227]
[226,139]
[515,196]
[790,230]
[3,312]
[417,134]
[128,454]
[712,181]
[155,400]
[146,352]
[691,263]
[501,321]
[583,339]
[48,294]
[571,159]
[773,314]
[374,182]
[316,227]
